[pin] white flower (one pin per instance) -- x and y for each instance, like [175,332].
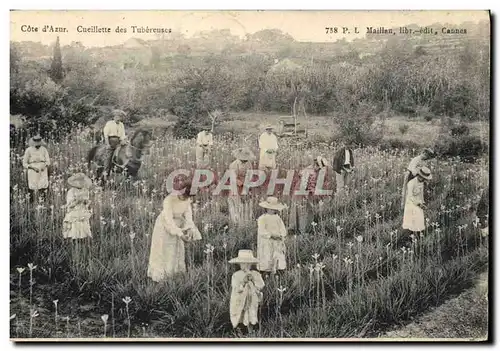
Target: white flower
[13,316]
[20,270]
[34,314]
[315,256]
[359,239]
[55,302]
[132,235]
[104,318]
[31,266]
[127,300]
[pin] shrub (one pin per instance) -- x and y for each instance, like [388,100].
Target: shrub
[459,130]
[467,147]
[391,144]
[403,128]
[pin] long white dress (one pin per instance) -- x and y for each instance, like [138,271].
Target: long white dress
[76,222]
[271,252]
[167,255]
[39,159]
[412,170]
[413,218]
[245,298]
[268,145]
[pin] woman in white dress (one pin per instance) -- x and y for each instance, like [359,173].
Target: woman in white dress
[241,206]
[174,227]
[413,219]
[76,222]
[271,234]
[268,145]
[36,162]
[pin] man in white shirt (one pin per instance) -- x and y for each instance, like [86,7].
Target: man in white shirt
[114,134]
[204,143]
[268,145]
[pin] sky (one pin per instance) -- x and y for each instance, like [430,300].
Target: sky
[302,25]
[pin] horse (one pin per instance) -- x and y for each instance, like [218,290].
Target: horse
[127,158]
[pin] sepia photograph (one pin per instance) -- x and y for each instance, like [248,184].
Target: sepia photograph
[249,175]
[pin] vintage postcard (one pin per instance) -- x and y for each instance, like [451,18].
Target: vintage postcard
[249,175]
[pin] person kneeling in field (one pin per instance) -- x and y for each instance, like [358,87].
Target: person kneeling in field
[271,234]
[173,227]
[246,295]
[413,219]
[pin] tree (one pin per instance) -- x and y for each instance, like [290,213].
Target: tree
[56,69]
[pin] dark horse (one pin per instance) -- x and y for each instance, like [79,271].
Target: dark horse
[128,158]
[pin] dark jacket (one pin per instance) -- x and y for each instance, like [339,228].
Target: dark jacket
[483,208]
[339,159]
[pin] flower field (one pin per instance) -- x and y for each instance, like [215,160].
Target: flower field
[348,276]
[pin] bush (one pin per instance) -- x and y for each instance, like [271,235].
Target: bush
[467,147]
[391,144]
[428,118]
[403,128]
[196,93]
[459,130]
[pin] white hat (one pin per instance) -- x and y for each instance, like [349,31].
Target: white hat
[269,126]
[272,203]
[321,161]
[425,173]
[244,154]
[244,256]
[79,180]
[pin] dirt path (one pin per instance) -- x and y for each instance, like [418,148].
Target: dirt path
[465,316]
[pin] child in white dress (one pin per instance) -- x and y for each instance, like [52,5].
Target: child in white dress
[246,295]
[271,234]
[76,222]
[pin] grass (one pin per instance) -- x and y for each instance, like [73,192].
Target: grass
[336,284]
[465,316]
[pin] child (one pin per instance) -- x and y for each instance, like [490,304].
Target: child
[414,219]
[271,233]
[246,292]
[76,222]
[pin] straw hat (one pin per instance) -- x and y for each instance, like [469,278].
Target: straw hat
[79,180]
[244,154]
[425,173]
[321,161]
[272,203]
[35,140]
[268,126]
[244,256]
[119,113]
